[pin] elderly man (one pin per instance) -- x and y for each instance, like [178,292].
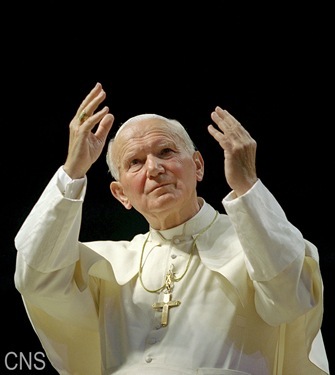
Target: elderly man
[201,292]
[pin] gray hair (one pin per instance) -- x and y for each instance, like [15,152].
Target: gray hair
[176,128]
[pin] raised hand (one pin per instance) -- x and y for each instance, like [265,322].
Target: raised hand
[85,144]
[239,151]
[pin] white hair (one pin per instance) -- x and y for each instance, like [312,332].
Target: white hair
[175,126]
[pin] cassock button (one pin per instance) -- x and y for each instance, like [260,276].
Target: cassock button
[173,256]
[176,241]
[148,359]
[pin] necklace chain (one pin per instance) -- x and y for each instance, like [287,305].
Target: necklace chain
[170,278]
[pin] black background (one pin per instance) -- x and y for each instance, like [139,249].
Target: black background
[271,67]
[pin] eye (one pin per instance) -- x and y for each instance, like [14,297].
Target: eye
[135,165]
[134,162]
[166,151]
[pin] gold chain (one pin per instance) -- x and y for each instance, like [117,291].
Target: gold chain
[187,265]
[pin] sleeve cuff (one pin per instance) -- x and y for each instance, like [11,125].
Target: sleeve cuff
[270,242]
[71,189]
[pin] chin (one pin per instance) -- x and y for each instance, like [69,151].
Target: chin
[163,201]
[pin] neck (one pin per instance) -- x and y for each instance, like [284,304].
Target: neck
[172,218]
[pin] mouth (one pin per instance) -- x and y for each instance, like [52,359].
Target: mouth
[159,187]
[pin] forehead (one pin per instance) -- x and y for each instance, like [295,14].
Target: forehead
[147,130]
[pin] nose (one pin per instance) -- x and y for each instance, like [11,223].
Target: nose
[154,166]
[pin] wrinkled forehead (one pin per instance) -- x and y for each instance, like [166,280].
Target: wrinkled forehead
[140,119]
[142,127]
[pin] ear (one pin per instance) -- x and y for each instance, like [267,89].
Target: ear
[117,191]
[200,165]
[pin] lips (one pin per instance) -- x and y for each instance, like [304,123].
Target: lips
[158,187]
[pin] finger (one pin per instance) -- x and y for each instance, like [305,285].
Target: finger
[91,102]
[91,107]
[218,136]
[104,127]
[224,120]
[94,119]
[224,114]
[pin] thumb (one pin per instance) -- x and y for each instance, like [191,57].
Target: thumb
[104,127]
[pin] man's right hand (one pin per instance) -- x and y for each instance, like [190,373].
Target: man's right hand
[85,146]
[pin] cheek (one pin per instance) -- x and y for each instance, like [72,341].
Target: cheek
[134,185]
[186,173]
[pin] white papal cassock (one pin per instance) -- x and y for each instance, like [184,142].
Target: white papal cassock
[251,300]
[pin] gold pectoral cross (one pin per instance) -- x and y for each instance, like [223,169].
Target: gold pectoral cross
[165,305]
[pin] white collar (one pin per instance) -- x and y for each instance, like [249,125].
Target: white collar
[188,229]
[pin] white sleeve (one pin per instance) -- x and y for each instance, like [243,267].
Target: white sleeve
[277,256]
[70,188]
[48,238]
[269,240]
